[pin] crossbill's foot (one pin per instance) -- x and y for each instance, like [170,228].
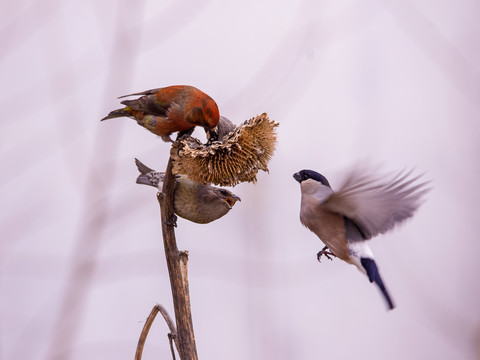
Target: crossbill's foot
[211,136]
[172,221]
[183,134]
[167,138]
[160,195]
[326,253]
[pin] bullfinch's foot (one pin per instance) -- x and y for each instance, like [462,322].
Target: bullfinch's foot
[326,253]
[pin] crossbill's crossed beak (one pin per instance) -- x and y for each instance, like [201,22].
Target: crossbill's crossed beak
[231,200]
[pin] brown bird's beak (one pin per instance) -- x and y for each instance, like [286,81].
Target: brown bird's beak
[231,200]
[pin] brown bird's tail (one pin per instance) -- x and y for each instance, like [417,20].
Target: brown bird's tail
[148,176]
[144,169]
[116,113]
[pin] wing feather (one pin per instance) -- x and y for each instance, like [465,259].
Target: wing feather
[146,92]
[377,203]
[146,103]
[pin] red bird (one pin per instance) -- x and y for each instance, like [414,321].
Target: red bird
[166,110]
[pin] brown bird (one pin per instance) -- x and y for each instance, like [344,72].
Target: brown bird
[193,201]
[170,109]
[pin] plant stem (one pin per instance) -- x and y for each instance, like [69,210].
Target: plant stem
[176,262]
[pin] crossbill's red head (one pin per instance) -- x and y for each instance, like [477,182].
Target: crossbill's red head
[210,112]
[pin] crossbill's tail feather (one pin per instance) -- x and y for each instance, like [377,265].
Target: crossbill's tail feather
[146,174]
[149,176]
[116,113]
[144,179]
[144,169]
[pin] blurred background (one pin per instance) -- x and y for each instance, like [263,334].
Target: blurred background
[81,253]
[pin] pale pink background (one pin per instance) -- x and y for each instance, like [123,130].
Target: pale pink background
[81,257]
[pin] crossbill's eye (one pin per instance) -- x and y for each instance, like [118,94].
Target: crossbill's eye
[224,192]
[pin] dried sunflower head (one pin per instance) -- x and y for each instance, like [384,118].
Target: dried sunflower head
[236,158]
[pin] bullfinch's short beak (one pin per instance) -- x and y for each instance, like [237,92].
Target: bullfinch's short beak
[297,176]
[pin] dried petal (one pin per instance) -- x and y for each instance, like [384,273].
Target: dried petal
[237,158]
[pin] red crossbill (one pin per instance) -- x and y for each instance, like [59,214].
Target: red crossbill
[193,201]
[170,109]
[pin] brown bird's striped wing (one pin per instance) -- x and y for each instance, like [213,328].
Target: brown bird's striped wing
[376,204]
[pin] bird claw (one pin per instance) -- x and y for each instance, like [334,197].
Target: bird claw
[211,136]
[172,221]
[326,253]
[184,134]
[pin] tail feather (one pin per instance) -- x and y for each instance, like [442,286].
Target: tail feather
[146,180]
[144,169]
[116,113]
[374,276]
[147,176]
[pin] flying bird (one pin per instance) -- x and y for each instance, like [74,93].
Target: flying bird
[170,109]
[362,208]
[192,201]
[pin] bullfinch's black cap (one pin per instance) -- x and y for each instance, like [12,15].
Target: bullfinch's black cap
[310,174]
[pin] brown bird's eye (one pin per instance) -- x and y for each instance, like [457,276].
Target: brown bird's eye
[224,192]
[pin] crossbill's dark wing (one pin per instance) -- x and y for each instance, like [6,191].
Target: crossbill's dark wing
[147,103]
[146,92]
